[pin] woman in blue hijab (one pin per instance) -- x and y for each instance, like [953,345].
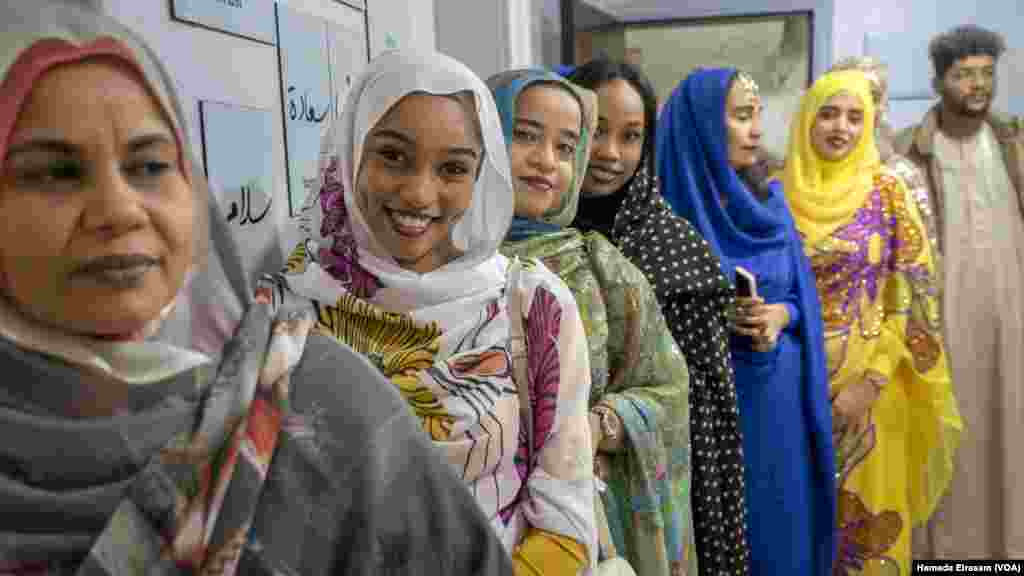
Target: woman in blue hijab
[708,152]
[639,395]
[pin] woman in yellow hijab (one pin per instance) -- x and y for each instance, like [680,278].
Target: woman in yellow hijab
[895,419]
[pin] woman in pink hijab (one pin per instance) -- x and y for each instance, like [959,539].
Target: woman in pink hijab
[158,419]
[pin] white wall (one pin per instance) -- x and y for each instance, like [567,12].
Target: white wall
[409,23]
[899,33]
[210,65]
[489,36]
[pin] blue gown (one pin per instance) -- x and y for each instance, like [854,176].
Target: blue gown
[779,471]
[783,394]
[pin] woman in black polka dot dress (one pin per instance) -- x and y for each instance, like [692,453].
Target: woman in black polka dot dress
[621,200]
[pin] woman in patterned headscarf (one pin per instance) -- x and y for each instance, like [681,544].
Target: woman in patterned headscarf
[620,199]
[156,418]
[895,419]
[402,261]
[710,135]
[639,410]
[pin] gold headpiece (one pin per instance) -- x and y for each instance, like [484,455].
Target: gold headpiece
[748,85]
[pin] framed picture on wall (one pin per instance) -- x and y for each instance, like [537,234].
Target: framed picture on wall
[252,19]
[321,47]
[238,153]
[775,49]
[357,4]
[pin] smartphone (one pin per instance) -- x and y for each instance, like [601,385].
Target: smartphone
[746,284]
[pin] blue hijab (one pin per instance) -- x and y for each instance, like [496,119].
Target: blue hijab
[695,173]
[506,88]
[693,165]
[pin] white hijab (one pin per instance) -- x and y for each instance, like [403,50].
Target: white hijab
[480,270]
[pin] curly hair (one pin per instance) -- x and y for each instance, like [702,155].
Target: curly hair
[963,42]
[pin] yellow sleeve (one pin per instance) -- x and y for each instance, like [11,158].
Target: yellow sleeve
[909,301]
[543,553]
[912,355]
[890,347]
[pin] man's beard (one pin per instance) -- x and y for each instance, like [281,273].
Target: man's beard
[960,106]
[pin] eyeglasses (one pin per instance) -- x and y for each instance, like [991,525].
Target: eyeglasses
[961,74]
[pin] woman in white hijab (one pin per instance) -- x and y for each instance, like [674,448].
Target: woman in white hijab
[402,262]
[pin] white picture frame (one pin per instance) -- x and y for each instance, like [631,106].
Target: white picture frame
[321,47]
[250,19]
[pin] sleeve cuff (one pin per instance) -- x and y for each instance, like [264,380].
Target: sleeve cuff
[794,314]
[543,552]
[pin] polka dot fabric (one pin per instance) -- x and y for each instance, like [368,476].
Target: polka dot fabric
[694,295]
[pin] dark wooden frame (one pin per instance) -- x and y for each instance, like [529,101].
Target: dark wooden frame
[569,40]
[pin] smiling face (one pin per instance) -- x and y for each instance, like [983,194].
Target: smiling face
[619,142]
[743,123]
[545,136]
[838,126]
[416,178]
[969,85]
[99,233]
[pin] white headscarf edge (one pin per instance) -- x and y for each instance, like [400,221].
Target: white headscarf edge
[481,230]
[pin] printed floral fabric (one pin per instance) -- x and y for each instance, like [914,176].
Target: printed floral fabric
[455,370]
[638,369]
[876,279]
[695,297]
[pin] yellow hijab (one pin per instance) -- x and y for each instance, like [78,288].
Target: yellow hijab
[823,194]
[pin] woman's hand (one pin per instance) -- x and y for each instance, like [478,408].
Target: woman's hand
[761,322]
[851,407]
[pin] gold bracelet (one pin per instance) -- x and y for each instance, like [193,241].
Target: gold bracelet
[608,427]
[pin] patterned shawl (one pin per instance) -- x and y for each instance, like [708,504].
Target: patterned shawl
[635,366]
[216,466]
[694,296]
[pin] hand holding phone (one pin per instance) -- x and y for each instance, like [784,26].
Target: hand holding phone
[750,321]
[746,283]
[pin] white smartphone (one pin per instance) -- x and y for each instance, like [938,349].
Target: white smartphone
[746,284]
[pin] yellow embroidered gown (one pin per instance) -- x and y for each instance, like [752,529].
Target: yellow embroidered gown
[868,246]
[878,294]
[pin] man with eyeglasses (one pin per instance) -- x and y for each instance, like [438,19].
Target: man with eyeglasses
[973,158]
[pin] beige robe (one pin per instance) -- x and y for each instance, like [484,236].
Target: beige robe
[982,515]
